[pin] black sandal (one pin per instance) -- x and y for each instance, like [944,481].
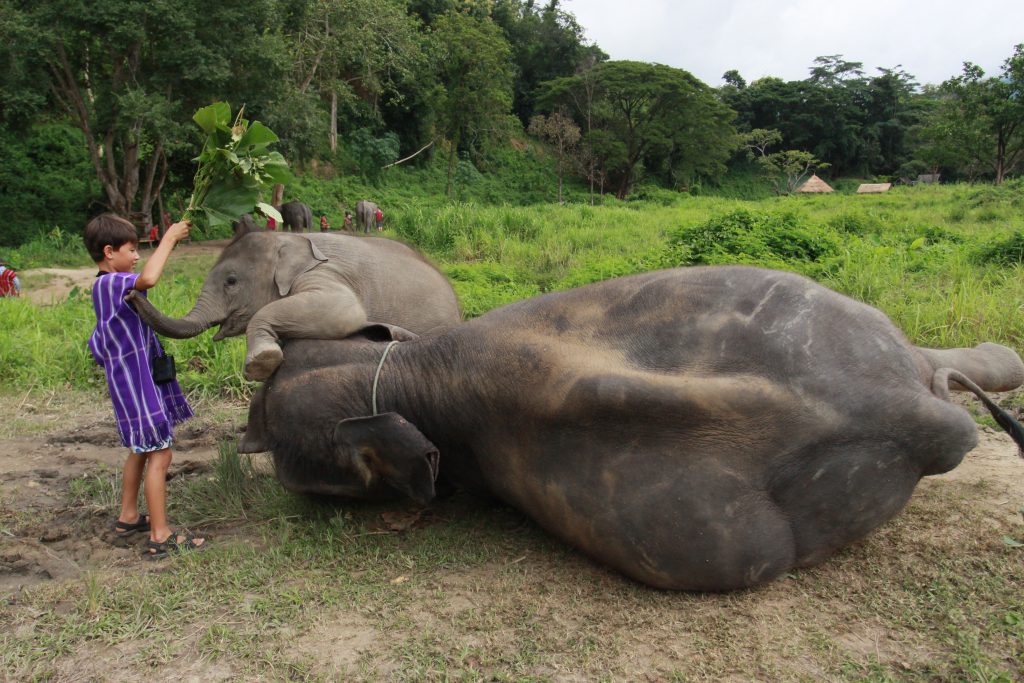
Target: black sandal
[172,546]
[125,529]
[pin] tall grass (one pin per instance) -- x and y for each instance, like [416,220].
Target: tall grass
[944,281]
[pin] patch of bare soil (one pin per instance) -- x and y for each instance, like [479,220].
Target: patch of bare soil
[44,532]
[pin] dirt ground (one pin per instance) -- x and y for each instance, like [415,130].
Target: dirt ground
[48,443]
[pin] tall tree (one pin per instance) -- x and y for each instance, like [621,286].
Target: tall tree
[129,74]
[985,116]
[562,132]
[474,64]
[546,42]
[355,54]
[660,117]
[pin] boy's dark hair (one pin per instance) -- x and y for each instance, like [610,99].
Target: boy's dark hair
[108,228]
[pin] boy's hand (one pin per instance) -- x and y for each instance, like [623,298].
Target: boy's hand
[178,231]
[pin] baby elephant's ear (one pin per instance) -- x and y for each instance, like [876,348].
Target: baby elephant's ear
[294,258]
[390,448]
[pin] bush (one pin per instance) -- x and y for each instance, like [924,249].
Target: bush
[855,223]
[1004,252]
[483,286]
[742,236]
[47,181]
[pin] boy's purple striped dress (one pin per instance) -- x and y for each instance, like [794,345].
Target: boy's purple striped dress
[123,344]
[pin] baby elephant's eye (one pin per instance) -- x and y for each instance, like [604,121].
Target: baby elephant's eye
[232,280]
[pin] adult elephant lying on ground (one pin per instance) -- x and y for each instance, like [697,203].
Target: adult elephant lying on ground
[324,286]
[701,428]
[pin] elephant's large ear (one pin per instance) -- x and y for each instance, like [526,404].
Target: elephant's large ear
[389,447]
[295,257]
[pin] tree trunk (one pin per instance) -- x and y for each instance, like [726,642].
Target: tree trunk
[451,164]
[278,195]
[334,121]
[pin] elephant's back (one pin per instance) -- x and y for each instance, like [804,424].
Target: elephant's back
[395,283]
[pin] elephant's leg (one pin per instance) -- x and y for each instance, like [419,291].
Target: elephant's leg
[255,440]
[993,367]
[319,314]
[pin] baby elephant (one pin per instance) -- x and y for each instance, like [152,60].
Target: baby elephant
[271,285]
[699,428]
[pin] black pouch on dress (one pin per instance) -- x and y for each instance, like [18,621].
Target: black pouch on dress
[163,369]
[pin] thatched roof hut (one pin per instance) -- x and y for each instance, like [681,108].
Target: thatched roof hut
[815,184]
[873,188]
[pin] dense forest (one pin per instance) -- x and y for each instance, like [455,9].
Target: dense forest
[96,100]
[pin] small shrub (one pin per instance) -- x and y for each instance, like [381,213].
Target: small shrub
[935,234]
[771,239]
[1004,252]
[484,285]
[855,223]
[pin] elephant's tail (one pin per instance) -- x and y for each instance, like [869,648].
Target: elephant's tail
[940,387]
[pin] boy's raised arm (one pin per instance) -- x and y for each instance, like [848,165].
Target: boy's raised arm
[154,267]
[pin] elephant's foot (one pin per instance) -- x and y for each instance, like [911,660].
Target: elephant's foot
[261,364]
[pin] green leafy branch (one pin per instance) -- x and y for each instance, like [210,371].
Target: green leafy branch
[235,166]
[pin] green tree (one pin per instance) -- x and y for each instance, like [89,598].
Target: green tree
[562,132]
[662,118]
[354,54]
[787,170]
[546,42]
[473,62]
[129,74]
[985,116]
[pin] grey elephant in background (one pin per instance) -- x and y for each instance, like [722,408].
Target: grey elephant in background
[295,216]
[272,285]
[366,212]
[697,428]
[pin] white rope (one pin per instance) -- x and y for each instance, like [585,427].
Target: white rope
[376,375]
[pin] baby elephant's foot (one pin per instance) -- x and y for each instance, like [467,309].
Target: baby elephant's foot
[261,365]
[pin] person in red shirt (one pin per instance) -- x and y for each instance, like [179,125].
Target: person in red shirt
[324,227]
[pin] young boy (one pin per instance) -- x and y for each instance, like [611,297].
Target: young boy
[146,412]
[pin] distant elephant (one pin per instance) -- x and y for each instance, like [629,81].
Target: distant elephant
[366,213]
[696,428]
[296,216]
[272,285]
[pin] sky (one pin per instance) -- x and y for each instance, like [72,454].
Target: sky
[931,40]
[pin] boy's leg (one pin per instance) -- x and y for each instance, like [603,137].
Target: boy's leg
[157,463]
[131,479]
[156,496]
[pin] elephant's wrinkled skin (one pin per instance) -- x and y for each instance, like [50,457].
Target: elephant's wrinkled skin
[271,285]
[701,428]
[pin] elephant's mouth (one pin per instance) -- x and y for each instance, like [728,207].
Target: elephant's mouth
[229,328]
